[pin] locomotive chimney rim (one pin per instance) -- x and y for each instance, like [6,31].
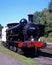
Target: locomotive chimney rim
[30,17]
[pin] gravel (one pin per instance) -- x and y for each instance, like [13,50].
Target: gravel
[7,60]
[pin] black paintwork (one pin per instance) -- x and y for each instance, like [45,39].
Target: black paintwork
[24,30]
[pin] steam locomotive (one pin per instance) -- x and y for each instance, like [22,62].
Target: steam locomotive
[24,35]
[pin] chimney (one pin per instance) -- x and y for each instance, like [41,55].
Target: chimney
[30,17]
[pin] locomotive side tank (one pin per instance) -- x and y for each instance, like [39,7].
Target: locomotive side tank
[25,34]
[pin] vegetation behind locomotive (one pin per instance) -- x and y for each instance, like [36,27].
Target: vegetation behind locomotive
[25,34]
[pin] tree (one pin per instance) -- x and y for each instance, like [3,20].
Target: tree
[1,27]
[50,6]
[44,17]
[37,17]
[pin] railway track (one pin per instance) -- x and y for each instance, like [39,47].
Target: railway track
[45,56]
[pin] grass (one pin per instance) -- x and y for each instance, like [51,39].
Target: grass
[48,39]
[18,57]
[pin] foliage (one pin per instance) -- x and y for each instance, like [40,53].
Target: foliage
[44,17]
[46,39]
[1,27]
[50,6]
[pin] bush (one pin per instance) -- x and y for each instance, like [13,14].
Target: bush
[50,34]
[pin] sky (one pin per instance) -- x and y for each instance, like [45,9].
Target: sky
[12,11]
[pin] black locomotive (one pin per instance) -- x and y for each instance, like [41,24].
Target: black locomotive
[25,35]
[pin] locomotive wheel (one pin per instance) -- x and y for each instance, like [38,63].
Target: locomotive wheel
[8,45]
[37,51]
[11,48]
[4,44]
[20,51]
[14,49]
